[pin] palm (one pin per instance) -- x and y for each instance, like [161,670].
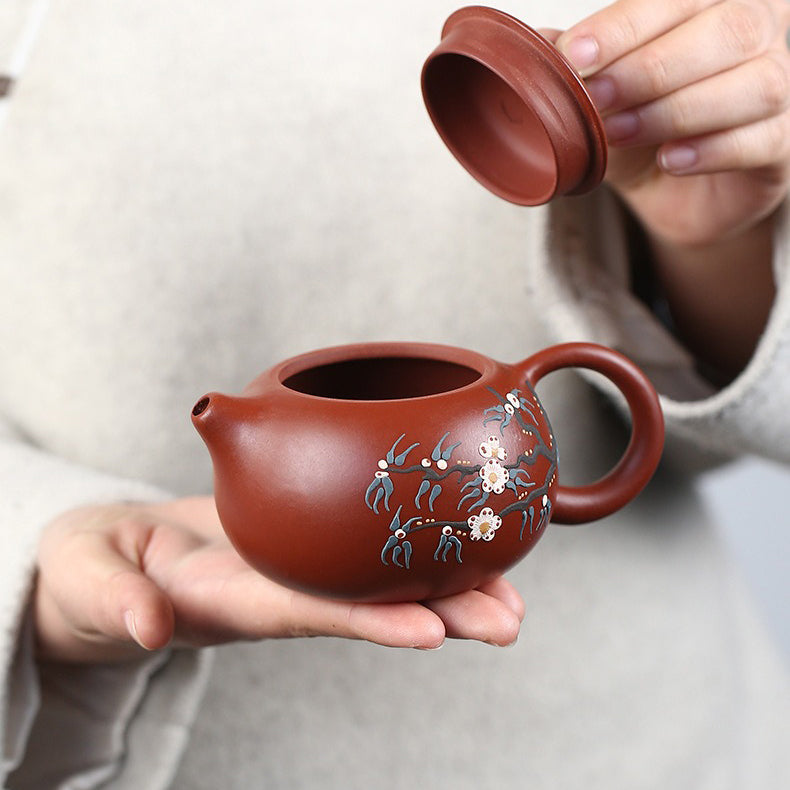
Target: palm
[213,591]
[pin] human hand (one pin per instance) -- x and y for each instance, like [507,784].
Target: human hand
[115,579]
[695,97]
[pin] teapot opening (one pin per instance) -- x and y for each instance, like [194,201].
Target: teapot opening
[382,378]
[200,406]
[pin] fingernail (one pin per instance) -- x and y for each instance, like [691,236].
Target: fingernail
[582,52]
[621,127]
[431,649]
[503,644]
[678,159]
[602,92]
[131,627]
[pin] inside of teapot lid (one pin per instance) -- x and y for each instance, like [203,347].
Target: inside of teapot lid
[512,109]
[492,131]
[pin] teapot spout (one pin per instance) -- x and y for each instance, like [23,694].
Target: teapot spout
[210,416]
[218,418]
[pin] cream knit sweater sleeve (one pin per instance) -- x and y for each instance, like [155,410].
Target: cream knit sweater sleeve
[70,722]
[586,293]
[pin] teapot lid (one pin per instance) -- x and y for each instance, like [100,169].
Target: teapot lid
[512,109]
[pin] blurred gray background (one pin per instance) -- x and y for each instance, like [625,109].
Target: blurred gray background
[751,502]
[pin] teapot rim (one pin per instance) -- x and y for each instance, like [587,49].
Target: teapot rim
[479,363]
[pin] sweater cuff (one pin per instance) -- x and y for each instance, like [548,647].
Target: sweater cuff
[586,293]
[61,722]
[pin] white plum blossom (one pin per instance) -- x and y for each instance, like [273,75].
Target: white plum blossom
[485,525]
[494,476]
[514,401]
[490,449]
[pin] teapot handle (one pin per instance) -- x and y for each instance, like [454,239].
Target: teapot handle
[577,504]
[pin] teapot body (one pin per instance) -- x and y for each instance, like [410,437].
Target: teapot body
[386,472]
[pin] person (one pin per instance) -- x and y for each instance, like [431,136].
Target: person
[191,195]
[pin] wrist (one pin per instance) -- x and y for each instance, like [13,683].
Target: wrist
[715,297]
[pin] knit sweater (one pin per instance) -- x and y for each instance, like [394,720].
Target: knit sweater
[189,194]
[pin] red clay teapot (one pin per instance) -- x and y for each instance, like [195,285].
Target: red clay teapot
[401,472]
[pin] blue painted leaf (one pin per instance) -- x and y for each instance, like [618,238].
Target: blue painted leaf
[408,524]
[371,488]
[449,451]
[497,418]
[483,499]
[521,478]
[474,482]
[436,454]
[424,486]
[523,524]
[406,552]
[379,497]
[402,457]
[470,495]
[396,552]
[437,489]
[447,546]
[392,541]
[511,485]
[442,542]
[391,453]
[395,523]
[388,487]
[451,542]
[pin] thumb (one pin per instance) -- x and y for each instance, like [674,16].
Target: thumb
[93,601]
[550,33]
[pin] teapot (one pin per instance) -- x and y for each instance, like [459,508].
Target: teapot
[386,472]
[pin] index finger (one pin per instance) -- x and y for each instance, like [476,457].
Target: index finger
[621,27]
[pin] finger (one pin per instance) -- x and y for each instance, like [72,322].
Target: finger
[765,144]
[476,615]
[504,591]
[720,38]
[392,625]
[551,34]
[755,91]
[223,599]
[622,27]
[200,513]
[92,600]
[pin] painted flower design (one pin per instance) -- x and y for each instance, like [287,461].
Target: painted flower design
[485,525]
[494,476]
[491,449]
